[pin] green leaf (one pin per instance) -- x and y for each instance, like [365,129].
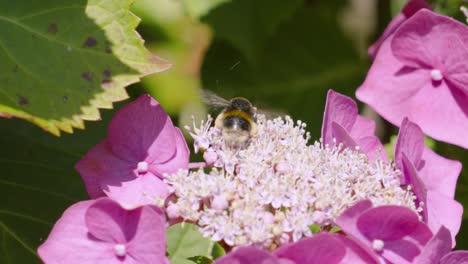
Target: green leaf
[305,56]
[62,60]
[335,229]
[315,228]
[199,8]
[201,260]
[247,24]
[38,182]
[185,241]
[390,147]
[217,251]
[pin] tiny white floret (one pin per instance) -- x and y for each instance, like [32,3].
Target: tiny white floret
[436,75]
[378,245]
[142,167]
[120,250]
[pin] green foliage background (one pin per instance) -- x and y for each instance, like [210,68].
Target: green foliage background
[282,55]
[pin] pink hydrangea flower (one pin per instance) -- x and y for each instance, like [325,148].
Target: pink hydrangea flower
[100,231]
[410,9]
[342,122]
[432,177]
[421,72]
[128,166]
[322,248]
[395,233]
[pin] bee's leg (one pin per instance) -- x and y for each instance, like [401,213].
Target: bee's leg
[219,121]
[253,130]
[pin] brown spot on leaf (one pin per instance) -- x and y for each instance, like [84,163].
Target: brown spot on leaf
[107,76]
[107,73]
[52,29]
[108,50]
[90,42]
[22,100]
[87,76]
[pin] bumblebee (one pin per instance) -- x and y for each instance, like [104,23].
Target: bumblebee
[237,119]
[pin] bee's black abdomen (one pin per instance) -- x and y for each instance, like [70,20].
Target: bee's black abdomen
[236,122]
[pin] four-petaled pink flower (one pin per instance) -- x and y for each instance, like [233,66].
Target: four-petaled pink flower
[100,231]
[327,248]
[409,10]
[421,72]
[128,166]
[342,122]
[432,177]
[395,233]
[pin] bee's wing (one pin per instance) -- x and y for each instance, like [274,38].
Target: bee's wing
[271,113]
[213,100]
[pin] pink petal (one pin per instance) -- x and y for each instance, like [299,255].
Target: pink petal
[142,131]
[456,257]
[439,174]
[69,241]
[389,30]
[444,211]
[179,161]
[136,191]
[248,255]
[410,142]
[106,221]
[396,92]
[436,248]
[455,65]
[426,40]
[373,148]
[412,7]
[342,136]
[97,163]
[347,220]
[149,242]
[418,188]
[362,127]
[357,253]
[342,122]
[388,223]
[341,110]
[363,132]
[322,248]
[441,112]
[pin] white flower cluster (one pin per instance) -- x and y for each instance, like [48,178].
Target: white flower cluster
[274,188]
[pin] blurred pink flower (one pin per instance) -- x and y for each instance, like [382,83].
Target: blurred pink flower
[410,9]
[421,72]
[432,177]
[395,233]
[327,248]
[100,231]
[342,122]
[128,165]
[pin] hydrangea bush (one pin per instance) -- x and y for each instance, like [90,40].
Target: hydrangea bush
[284,197]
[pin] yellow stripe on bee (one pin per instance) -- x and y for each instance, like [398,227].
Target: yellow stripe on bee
[238,113]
